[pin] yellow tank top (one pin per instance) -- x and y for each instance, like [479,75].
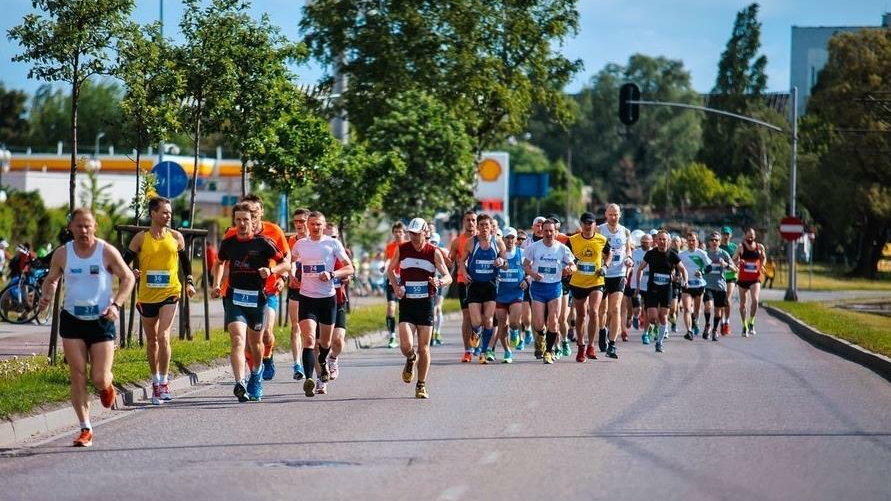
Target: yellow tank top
[159,267]
[589,253]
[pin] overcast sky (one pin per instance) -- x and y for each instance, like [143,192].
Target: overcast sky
[694,31]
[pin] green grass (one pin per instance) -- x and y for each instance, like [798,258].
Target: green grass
[27,384]
[821,277]
[868,330]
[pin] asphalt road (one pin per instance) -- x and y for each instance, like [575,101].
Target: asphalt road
[768,417]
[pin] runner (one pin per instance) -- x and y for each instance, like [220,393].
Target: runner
[398,231]
[636,288]
[456,254]
[89,311]
[563,349]
[677,244]
[483,258]
[161,252]
[620,260]
[342,298]
[526,317]
[299,221]
[750,256]
[318,305]
[512,287]
[591,250]
[694,261]
[662,262]
[546,262]
[730,276]
[415,287]
[441,293]
[716,283]
[244,259]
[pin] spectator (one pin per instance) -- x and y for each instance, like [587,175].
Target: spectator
[210,256]
[769,271]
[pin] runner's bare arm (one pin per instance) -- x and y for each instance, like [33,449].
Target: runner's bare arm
[445,278]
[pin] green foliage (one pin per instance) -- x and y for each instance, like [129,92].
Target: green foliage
[872,332]
[487,61]
[107,211]
[40,225]
[432,144]
[846,162]
[565,189]
[13,124]
[695,185]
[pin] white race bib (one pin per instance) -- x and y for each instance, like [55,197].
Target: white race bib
[661,278]
[86,311]
[312,270]
[587,268]
[417,290]
[157,279]
[246,298]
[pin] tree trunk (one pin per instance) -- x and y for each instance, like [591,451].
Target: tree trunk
[72,176]
[872,241]
[198,106]
[244,161]
[136,198]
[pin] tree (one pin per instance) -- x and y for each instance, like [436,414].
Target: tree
[432,143]
[740,82]
[70,42]
[565,189]
[13,124]
[846,166]
[696,185]
[487,61]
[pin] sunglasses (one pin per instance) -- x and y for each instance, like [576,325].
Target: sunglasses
[521,240]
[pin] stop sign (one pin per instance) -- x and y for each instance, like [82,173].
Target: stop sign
[791,228]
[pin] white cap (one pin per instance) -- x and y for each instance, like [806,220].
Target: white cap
[510,231]
[417,225]
[435,238]
[539,219]
[654,231]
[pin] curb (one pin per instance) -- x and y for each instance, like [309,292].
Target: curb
[17,430]
[875,362]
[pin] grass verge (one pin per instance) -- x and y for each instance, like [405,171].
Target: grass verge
[868,330]
[30,383]
[820,277]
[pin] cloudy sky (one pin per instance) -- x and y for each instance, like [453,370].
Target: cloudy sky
[694,31]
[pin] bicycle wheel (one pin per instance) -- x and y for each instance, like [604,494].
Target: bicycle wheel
[18,303]
[43,317]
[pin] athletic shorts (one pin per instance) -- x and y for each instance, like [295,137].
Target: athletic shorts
[418,312]
[321,309]
[584,292]
[293,294]
[152,310]
[272,301]
[89,331]
[745,284]
[659,297]
[253,317]
[340,317]
[462,295]
[391,294]
[508,304]
[719,297]
[565,284]
[676,290]
[543,292]
[481,292]
[614,284]
[527,296]
[731,280]
[694,291]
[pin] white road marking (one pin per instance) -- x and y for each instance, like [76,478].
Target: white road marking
[453,493]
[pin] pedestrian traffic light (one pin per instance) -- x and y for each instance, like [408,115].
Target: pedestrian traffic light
[184,219]
[629,112]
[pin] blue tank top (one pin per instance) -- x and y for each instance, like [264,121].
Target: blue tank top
[509,280]
[481,263]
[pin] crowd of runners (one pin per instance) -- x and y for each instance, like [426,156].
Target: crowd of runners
[539,290]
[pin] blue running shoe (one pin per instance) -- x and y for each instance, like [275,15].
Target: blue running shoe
[298,372]
[477,351]
[645,339]
[695,329]
[521,344]
[268,368]
[514,338]
[528,339]
[508,358]
[254,386]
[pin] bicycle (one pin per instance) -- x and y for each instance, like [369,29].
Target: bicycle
[19,300]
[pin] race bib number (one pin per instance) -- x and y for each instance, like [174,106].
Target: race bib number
[337,281]
[547,270]
[483,267]
[750,267]
[86,311]
[509,276]
[616,257]
[586,268]
[246,298]
[157,279]
[716,270]
[695,282]
[312,270]
[661,278]
[417,290]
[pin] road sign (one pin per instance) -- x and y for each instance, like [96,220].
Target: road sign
[170,179]
[791,228]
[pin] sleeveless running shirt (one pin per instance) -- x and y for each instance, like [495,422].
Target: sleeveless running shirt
[750,264]
[87,283]
[481,262]
[589,256]
[418,267]
[159,267]
[618,242]
[459,255]
[509,279]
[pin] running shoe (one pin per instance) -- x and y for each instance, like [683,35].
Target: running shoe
[521,345]
[529,339]
[421,391]
[514,339]
[482,359]
[467,357]
[611,351]
[751,329]
[557,354]
[409,369]
[696,329]
[477,351]
[565,349]
[580,356]
[156,394]
[268,368]
[591,353]
[674,327]
[474,339]
[253,386]
[714,336]
[107,397]
[324,373]
[508,358]
[635,322]
[705,332]
[392,343]
[725,329]
[490,355]
[645,338]
[165,391]
[437,339]
[333,369]
[570,336]
[601,342]
[538,354]
[85,439]
[624,336]
[548,358]
[309,387]
[298,372]
[240,392]
[745,330]
[689,335]
[659,348]
[321,388]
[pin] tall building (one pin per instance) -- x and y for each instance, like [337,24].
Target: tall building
[810,52]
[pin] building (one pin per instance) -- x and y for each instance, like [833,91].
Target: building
[810,52]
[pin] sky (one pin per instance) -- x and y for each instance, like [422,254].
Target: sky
[693,31]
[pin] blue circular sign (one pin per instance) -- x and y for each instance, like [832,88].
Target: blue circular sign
[170,179]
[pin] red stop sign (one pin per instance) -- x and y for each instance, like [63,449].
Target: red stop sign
[791,228]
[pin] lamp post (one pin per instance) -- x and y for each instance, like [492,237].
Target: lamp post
[5,157]
[96,148]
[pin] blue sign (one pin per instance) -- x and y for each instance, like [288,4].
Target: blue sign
[528,185]
[170,179]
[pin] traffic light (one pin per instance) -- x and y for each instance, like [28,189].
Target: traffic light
[184,219]
[629,113]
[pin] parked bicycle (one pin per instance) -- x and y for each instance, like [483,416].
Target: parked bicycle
[20,298]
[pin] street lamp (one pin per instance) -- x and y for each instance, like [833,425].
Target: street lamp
[5,158]
[96,149]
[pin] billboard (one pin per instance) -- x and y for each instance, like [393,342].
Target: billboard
[493,185]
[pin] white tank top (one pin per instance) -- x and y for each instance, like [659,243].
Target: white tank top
[618,242]
[87,283]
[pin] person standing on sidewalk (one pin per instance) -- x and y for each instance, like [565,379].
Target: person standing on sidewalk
[89,312]
[161,255]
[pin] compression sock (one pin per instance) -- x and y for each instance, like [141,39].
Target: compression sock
[391,326]
[323,354]
[309,362]
[487,338]
[551,339]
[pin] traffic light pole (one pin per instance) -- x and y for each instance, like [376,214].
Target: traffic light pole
[792,289]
